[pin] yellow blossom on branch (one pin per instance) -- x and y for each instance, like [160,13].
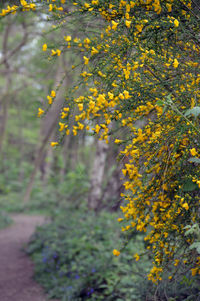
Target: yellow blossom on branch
[40,112]
[193,152]
[53,144]
[44,47]
[116,252]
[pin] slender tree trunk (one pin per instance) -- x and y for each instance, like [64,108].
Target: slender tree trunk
[38,160]
[73,157]
[48,127]
[47,161]
[7,54]
[4,104]
[4,118]
[114,188]
[65,155]
[97,175]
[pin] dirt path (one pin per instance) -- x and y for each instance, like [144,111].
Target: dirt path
[16,269]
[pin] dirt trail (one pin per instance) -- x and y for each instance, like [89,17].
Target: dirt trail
[16,269]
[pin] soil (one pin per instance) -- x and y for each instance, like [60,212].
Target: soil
[16,268]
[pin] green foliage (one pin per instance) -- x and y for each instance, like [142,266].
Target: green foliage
[45,198]
[76,184]
[5,220]
[184,289]
[74,259]
[194,232]
[194,111]
[194,160]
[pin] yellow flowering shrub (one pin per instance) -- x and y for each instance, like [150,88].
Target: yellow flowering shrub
[141,72]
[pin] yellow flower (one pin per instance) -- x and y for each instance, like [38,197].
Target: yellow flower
[198,183]
[53,93]
[117,141]
[116,252]
[49,99]
[87,5]
[68,38]
[175,63]
[40,112]
[114,25]
[58,51]
[137,257]
[86,60]
[87,41]
[94,51]
[53,52]
[169,7]
[176,262]
[50,7]
[62,126]
[54,144]
[80,106]
[128,23]
[194,271]
[176,23]
[185,205]
[44,47]
[139,27]
[23,3]
[193,152]
[97,129]
[126,94]
[67,132]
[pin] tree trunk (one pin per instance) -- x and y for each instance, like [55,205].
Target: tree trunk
[113,190]
[38,160]
[5,95]
[65,154]
[97,175]
[48,127]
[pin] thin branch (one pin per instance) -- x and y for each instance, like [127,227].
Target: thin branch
[18,47]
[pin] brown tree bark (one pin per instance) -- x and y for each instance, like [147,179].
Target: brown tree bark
[114,188]
[7,54]
[97,176]
[48,127]
[65,155]
[4,103]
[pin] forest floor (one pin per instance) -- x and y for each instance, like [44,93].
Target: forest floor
[16,268]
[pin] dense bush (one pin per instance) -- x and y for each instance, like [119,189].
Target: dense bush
[74,259]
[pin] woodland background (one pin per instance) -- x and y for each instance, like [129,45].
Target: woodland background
[78,184]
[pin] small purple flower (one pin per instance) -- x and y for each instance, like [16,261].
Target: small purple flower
[91,291]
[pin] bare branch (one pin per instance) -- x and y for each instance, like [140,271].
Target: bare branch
[17,48]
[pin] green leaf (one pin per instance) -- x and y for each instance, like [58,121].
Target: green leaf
[194,111]
[194,160]
[195,245]
[194,229]
[189,186]
[160,103]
